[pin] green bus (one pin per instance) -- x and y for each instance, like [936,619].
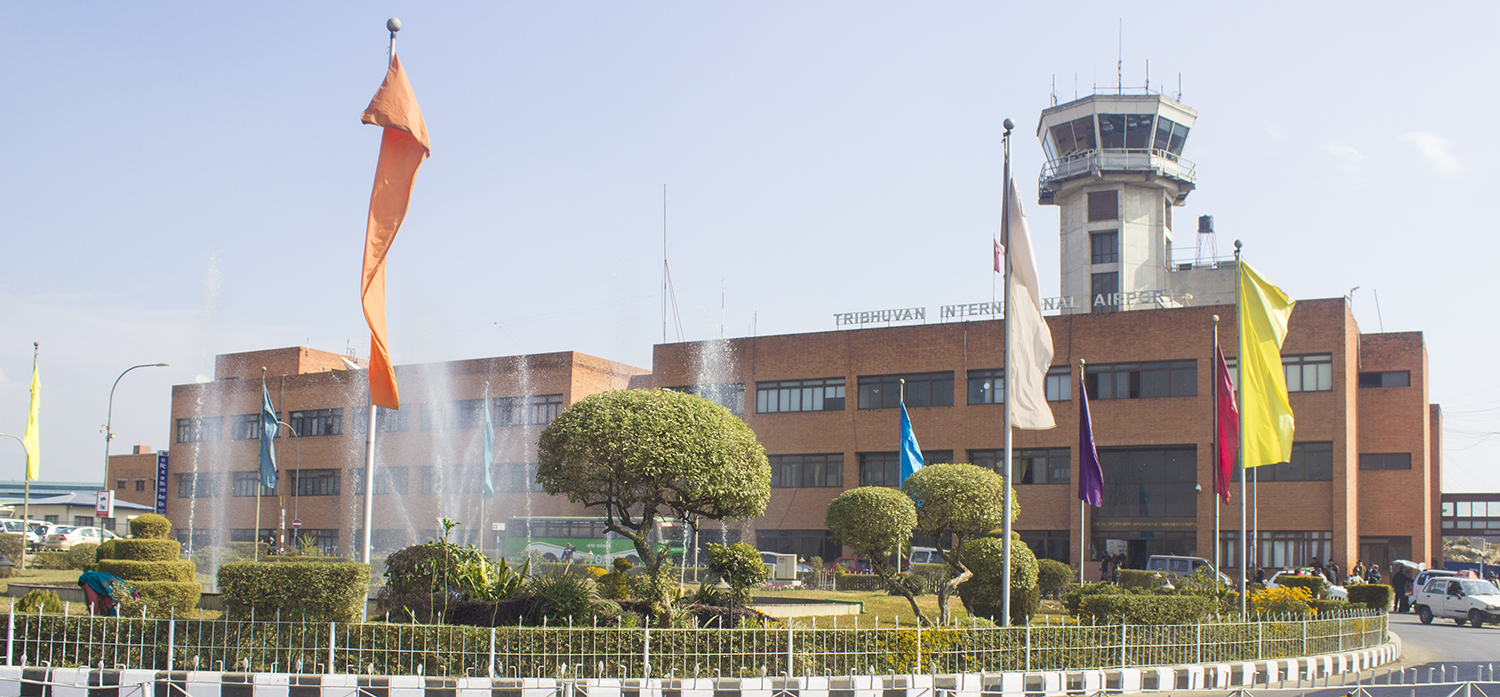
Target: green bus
[550,536]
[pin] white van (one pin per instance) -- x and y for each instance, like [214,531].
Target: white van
[925,555]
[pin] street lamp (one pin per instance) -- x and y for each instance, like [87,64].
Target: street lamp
[109,435]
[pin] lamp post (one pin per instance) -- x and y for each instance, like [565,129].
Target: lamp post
[109,435]
[26,514]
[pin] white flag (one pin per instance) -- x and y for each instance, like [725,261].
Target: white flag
[1031,341]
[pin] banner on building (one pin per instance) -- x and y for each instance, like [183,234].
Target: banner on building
[161,483]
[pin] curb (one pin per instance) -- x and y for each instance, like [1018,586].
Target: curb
[86,682]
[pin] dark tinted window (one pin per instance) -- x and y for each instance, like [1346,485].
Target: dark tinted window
[922,390]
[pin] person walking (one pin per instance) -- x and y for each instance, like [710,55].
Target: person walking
[1399,582]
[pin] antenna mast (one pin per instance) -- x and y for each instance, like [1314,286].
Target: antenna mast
[1120,60]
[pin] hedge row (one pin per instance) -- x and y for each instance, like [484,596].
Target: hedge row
[1376,596]
[163,598]
[11,545]
[147,550]
[325,592]
[1145,609]
[135,571]
[1314,584]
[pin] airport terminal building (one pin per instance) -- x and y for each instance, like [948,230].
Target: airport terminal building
[1363,482]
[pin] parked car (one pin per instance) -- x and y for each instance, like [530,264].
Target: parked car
[64,538]
[1335,591]
[35,532]
[851,565]
[1182,567]
[1463,600]
[925,555]
[1422,579]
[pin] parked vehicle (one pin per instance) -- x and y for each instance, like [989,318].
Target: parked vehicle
[65,538]
[1463,600]
[1422,579]
[925,555]
[1181,567]
[1335,591]
[852,565]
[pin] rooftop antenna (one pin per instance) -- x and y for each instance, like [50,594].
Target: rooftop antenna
[1179,87]
[1054,89]
[668,291]
[1075,84]
[1120,60]
[1148,76]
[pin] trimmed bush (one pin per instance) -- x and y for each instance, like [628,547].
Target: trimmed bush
[320,592]
[1374,595]
[164,598]
[1315,585]
[147,550]
[929,577]
[47,601]
[12,544]
[82,555]
[150,526]
[1323,605]
[106,550]
[739,565]
[1052,577]
[180,571]
[1144,609]
[1140,579]
[981,594]
[857,582]
[1074,598]
[49,560]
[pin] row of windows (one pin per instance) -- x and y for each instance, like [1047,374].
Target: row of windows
[532,410]
[1311,462]
[1141,380]
[140,484]
[988,386]
[730,395]
[1471,509]
[505,476]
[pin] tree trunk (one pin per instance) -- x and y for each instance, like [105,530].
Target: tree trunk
[961,573]
[902,589]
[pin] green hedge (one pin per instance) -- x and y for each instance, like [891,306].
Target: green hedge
[1144,609]
[132,571]
[148,550]
[325,592]
[1141,579]
[12,544]
[1372,595]
[150,526]
[929,577]
[857,582]
[1053,577]
[106,550]
[1314,584]
[304,560]
[82,555]
[164,598]
[1322,605]
[1074,597]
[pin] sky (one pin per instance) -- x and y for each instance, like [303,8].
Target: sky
[190,179]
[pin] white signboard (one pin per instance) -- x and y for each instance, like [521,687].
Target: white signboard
[104,504]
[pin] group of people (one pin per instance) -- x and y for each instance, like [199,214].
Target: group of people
[1110,566]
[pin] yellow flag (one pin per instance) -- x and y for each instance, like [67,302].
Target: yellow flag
[1266,414]
[33,440]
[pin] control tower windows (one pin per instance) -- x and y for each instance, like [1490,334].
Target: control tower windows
[1106,292]
[1112,131]
[1170,136]
[1105,246]
[1074,136]
[1138,131]
[1104,205]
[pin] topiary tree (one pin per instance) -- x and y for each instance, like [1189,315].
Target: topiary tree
[739,565]
[983,594]
[873,521]
[639,455]
[150,563]
[1053,577]
[958,502]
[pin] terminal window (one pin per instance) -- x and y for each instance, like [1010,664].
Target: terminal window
[315,482]
[386,420]
[1102,289]
[1104,247]
[1311,462]
[388,480]
[821,394]
[200,430]
[243,485]
[1104,205]
[1060,384]
[986,386]
[1389,378]
[1385,461]
[922,390]
[245,427]
[318,422]
[199,485]
[1030,465]
[1141,380]
[884,469]
[1048,544]
[792,471]
[730,395]
[1149,482]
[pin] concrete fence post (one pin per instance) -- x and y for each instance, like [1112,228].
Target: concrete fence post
[171,638]
[646,654]
[332,635]
[492,652]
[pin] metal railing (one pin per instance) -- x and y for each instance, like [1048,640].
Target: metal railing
[613,652]
[1162,162]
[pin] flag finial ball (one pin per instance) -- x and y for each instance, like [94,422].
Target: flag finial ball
[393,24]
[1238,244]
[1008,124]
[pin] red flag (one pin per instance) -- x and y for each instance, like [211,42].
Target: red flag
[403,147]
[999,252]
[1229,427]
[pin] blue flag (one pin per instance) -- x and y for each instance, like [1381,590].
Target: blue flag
[1090,474]
[911,453]
[489,443]
[267,439]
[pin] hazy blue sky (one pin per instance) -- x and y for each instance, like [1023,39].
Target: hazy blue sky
[189,179]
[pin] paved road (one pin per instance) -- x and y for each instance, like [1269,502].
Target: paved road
[1444,642]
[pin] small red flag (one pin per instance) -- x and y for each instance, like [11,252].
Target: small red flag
[1229,427]
[999,252]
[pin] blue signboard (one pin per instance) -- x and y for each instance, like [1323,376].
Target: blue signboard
[161,483]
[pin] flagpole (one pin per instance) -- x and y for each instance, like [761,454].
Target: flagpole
[1239,369]
[1083,536]
[1007,411]
[364,543]
[36,349]
[1218,485]
[258,481]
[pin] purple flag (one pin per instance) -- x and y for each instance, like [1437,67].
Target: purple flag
[1090,474]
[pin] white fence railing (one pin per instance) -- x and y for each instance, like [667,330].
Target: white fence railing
[612,652]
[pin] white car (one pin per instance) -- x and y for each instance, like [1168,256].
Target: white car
[64,538]
[1335,591]
[1463,600]
[1424,577]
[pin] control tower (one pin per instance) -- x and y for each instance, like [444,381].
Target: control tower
[1115,167]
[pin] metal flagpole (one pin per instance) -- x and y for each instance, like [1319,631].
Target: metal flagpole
[393,25]
[1009,468]
[1083,536]
[258,481]
[1215,441]
[1239,369]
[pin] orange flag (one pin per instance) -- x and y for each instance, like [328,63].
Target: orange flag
[403,147]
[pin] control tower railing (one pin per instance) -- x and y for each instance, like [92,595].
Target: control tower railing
[1088,162]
